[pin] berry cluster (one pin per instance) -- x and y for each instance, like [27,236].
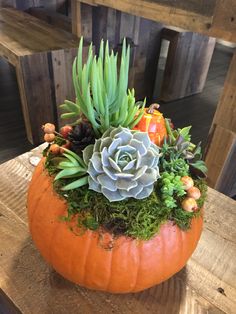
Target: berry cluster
[51,136]
[193,193]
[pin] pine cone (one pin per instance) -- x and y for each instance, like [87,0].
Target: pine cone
[81,136]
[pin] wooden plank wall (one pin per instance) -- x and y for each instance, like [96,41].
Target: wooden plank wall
[143,35]
[57,5]
[221,149]
[188,61]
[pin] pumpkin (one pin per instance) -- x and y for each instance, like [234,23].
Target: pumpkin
[153,122]
[98,261]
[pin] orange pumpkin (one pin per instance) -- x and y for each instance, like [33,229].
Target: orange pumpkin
[128,266]
[153,122]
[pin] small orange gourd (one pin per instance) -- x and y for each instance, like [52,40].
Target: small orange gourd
[129,265]
[153,122]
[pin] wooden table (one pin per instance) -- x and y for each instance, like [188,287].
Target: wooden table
[206,285]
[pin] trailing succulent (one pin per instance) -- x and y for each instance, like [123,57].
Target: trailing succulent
[108,164]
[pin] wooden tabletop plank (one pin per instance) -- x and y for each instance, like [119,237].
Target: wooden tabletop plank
[212,18]
[206,285]
[19,30]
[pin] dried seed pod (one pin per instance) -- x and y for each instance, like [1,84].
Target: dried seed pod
[48,128]
[187,182]
[189,204]
[194,192]
[49,137]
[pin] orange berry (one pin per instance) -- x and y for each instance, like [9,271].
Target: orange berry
[48,128]
[187,182]
[54,149]
[194,192]
[49,137]
[189,204]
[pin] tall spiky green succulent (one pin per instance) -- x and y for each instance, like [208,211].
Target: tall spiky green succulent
[102,94]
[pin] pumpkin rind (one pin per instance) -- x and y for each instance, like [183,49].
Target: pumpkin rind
[85,258]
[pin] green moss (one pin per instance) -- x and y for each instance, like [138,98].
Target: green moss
[139,219]
[135,218]
[202,185]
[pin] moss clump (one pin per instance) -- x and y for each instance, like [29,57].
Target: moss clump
[202,185]
[139,219]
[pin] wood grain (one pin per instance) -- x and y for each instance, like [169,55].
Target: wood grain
[221,151]
[214,18]
[40,105]
[144,37]
[29,44]
[35,287]
[187,64]
[225,115]
[220,159]
[51,17]
[62,61]
[19,31]
[76,18]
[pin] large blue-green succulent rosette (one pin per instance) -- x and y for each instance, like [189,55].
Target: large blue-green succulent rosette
[121,164]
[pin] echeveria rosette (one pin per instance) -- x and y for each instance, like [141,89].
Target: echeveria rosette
[121,164]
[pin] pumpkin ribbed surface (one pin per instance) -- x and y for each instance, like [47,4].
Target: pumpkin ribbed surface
[154,124]
[129,266]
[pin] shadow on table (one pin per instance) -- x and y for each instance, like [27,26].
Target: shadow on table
[39,289]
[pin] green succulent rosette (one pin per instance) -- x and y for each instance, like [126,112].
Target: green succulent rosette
[121,164]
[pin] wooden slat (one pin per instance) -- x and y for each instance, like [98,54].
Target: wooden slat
[38,91]
[200,6]
[19,32]
[144,37]
[62,61]
[221,152]
[76,18]
[36,288]
[225,115]
[214,18]
[220,159]
[188,61]
[86,22]
[51,17]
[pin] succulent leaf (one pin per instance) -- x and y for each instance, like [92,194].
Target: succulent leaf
[122,164]
[101,94]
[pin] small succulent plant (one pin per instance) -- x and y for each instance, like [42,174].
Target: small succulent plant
[178,147]
[122,164]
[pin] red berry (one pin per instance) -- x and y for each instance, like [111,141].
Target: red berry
[54,149]
[49,137]
[48,128]
[65,130]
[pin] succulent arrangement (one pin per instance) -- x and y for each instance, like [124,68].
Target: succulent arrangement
[120,166]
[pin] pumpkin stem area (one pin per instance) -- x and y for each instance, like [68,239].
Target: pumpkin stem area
[152,108]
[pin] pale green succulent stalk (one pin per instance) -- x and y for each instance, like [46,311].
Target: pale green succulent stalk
[72,166]
[101,94]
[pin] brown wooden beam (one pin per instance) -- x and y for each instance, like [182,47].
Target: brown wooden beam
[220,21]
[76,18]
[222,138]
